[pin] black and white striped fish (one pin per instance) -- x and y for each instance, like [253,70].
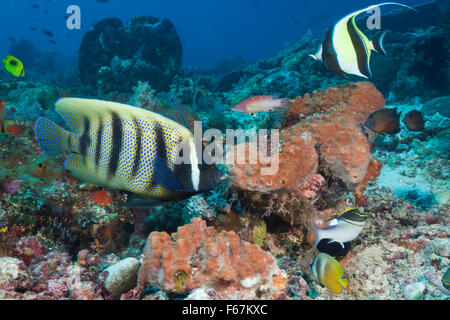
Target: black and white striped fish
[346,50]
[128,148]
[342,229]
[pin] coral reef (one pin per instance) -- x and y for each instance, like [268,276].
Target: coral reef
[49,274]
[205,263]
[411,254]
[251,237]
[288,74]
[424,73]
[440,105]
[38,196]
[14,275]
[324,154]
[418,168]
[115,57]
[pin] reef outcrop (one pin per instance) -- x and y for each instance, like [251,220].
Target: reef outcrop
[115,57]
[325,153]
[214,265]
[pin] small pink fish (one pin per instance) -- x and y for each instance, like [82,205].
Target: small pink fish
[260,104]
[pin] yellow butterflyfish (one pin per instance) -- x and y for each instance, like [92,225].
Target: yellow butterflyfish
[14,66]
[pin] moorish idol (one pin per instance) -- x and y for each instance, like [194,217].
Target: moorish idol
[346,50]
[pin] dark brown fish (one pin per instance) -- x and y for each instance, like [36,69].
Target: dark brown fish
[384,121]
[414,121]
[48,33]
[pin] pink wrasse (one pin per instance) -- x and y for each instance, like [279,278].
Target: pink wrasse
[260,104]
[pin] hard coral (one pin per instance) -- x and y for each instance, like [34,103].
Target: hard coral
[14,275]
[29,248]
[200,258]
[13,186]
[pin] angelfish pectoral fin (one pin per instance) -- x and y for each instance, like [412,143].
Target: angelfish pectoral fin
[145,203]
[164,176]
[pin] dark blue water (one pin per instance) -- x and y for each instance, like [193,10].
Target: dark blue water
[209,30]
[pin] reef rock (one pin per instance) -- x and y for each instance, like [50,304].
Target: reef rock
[215,265]
[122,276]
[288,74]
[115,57]
[415,65]
[31,103]
[329,129]
[322,134]
[437,105]
[14,275]
[29,248]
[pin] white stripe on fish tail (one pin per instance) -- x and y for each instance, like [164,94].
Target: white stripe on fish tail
[317,232]
[195,171]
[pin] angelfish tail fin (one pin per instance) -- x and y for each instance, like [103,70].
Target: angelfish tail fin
[53,139]
[377,43]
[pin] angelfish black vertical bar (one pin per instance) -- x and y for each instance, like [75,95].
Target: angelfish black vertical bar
[116,141]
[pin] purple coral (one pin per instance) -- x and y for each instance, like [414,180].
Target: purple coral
[12,187]
[29,248]
[57,289]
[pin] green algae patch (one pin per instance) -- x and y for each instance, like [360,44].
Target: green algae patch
[180,278]
[259,233]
